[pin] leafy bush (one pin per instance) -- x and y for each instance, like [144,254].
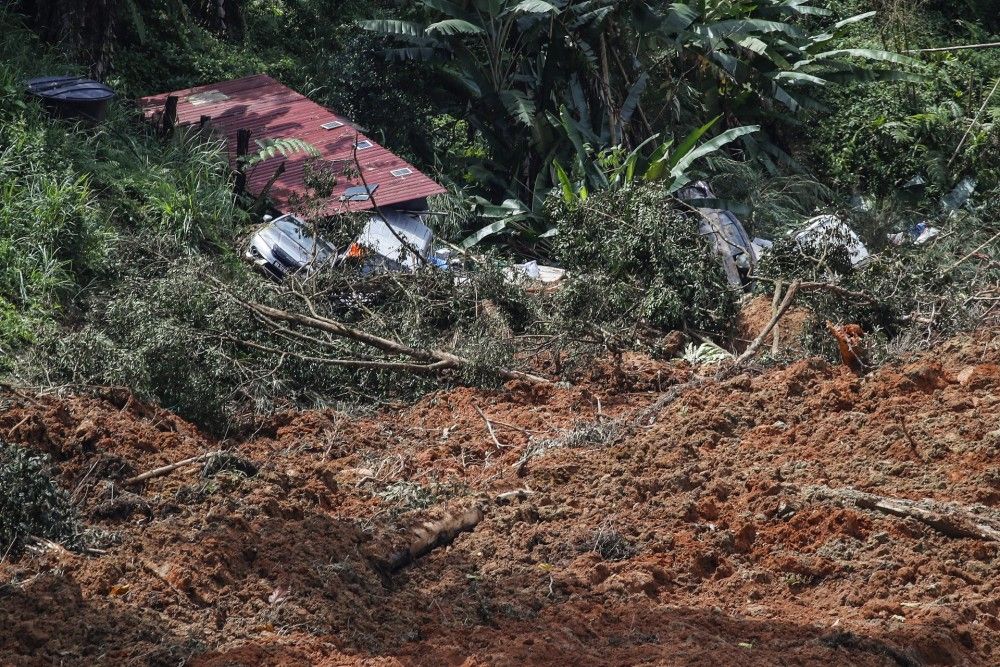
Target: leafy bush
[31,503]
[878,137]
[634,256]
[913,292]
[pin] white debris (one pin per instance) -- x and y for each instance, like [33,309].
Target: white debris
[395,240]
[825,230]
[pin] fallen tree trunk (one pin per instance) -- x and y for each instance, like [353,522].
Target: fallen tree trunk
[433,535]
[946,518]
[444,531]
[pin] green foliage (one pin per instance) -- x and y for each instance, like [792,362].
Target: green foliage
[31,503]
[878,137]
[69,193]
[271,148]
[633,256]
[912,292]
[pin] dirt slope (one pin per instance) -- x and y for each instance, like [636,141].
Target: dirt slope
[695,540]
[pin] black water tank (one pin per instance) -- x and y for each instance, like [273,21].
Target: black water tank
[73,96]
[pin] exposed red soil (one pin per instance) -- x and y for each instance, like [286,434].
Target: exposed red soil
[676,543]
[758,311]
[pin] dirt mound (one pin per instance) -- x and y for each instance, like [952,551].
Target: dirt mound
[758,311]
[704,537]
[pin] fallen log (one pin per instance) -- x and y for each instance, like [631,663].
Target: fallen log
[433,535]
[167,469]
[443,532]
[949,519]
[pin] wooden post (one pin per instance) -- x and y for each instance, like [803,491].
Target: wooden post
[169,114]
[242,148]
[205,123]
[258,207]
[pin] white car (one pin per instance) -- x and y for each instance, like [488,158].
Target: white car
[286,245]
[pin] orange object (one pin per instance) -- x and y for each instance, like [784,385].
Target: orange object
[849,340]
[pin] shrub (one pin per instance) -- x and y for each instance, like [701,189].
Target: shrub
[635,257]
[919,293]
[31,503]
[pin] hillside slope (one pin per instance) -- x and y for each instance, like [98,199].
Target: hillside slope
[706,537]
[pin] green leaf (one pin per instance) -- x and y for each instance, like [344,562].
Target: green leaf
[690,141]
[800,77]
[453,27]
[482,233]
[392,27]
[569,196]
[865,54]
[853,19]
[519,106]
[800,7]
[753,44]
[710,147]
[677,18]
[534,7]
[657,162]
[632,100]
[733,27]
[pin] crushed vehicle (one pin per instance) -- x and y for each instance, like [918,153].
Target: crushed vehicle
[739,253]
[288,245]
[394,241]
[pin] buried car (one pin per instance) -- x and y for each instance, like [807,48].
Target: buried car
[393,240]
[288,245]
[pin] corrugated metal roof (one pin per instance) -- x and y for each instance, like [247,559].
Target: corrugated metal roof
[272,111]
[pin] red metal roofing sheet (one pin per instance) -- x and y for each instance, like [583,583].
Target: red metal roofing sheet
[272,111]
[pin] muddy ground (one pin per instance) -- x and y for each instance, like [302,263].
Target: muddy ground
[694,538]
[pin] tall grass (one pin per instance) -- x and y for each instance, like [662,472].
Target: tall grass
[70,192]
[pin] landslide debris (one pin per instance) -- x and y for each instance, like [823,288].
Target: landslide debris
[698,538]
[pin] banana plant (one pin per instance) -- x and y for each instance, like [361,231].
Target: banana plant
[555,88]
[666,164]
[758,61]
[510,65]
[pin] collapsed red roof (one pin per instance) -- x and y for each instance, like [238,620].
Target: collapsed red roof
[272,111]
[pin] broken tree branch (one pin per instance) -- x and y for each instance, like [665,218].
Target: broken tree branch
[948,519]
[344,363]
[786,303]
[167,469]
[962,261]
[438,358]
[775,339]
[489,427]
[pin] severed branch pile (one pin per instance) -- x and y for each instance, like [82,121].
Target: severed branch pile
[320,332]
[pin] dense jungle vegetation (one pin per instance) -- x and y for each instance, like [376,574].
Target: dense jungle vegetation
[563,130]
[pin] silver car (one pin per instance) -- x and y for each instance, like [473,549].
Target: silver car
[286,245]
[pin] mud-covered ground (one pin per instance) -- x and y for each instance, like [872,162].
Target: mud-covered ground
[692,539]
